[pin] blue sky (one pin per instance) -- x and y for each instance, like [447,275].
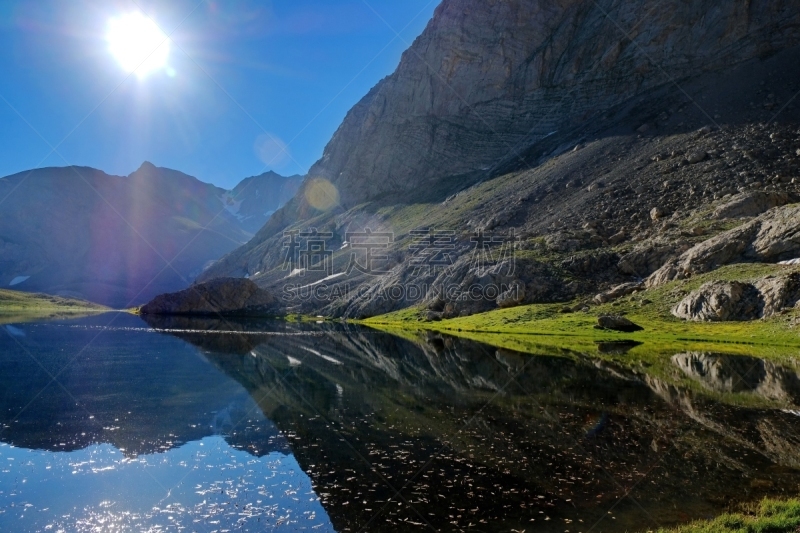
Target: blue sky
[241,77]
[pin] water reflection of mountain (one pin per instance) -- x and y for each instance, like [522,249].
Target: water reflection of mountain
[492,439]
[467,433]
[141,392]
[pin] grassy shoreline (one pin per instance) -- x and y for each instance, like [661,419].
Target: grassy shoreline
[560,323]
[16,306]
[773,516]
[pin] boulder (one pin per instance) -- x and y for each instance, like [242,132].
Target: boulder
[572,241]
[719,301]
[657,213]
[222,296]
[778,292]
[697,156]
[617,323]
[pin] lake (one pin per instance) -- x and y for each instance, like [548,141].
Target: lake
[109,423]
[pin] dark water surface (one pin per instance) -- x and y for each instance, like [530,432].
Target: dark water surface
[205,426]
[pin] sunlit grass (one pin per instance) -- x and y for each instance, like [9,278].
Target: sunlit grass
[16,306]
[649,309]
[770,516]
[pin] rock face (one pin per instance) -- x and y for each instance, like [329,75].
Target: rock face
[224,296]
[720,301]
[514,296]
[772,237]
[753,203]
[486,78]
[647,257]
[779,292]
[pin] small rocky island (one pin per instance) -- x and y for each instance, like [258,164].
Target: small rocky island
[223,296]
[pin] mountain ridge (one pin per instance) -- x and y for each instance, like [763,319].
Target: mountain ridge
[116,240]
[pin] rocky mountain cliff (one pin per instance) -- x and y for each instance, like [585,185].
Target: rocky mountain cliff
[118,240]
[487,79]
[583,126]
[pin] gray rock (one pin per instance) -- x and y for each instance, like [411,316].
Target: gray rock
[618,292]
[399,137]
[772,237]
[778,292]
[617,323]
[571,241]
[720,301]
[697,156]
[750,204]
[433,316]
[649,256]
[657,213]
[223,296]
[512,297]
[617,238]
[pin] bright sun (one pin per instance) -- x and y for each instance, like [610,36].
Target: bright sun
[137,43]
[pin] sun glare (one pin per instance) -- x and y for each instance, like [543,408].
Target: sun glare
[138,44]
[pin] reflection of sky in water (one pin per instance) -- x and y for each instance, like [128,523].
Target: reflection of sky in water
[203,486]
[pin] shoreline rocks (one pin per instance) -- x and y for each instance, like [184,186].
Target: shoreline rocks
[617,323]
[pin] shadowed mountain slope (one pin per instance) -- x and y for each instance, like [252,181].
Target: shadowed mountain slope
[115,240]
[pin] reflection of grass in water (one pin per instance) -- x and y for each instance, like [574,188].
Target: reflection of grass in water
[652,359]
[18,307]
[771,516]
[545,329]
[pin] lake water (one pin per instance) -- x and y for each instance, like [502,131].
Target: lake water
[107,424]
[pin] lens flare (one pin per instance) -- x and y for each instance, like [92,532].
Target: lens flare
[271,150]
[137,43]
[321,194]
